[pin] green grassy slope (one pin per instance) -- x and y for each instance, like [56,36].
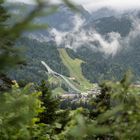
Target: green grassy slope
[57,81]
[74,66]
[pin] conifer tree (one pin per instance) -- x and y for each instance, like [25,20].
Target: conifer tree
[3,14]
[50,103]
[5,50]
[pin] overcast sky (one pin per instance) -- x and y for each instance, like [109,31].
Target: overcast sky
[95,4]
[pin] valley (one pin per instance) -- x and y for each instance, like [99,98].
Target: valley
[89,47]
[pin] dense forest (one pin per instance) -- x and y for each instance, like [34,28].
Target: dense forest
[97,66]
[35,52]
[32,112]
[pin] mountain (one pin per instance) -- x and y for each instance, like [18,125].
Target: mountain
[57,59]
[34,53]
[63,19]
[64,15]
[105,41]
[110,24]
[102,13]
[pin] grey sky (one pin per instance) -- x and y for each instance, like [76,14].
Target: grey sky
[95,4]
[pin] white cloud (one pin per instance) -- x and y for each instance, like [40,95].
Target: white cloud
[95,4]
[116,4]
[25,1]
[78,37]
[109,47]
[134,34]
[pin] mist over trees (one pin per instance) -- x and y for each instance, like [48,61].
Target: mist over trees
[32,112]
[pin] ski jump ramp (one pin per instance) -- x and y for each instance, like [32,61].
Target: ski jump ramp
[51,72]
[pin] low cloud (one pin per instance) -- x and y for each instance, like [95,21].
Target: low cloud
[93,5]
[129,41]
[109,44]
[79,37]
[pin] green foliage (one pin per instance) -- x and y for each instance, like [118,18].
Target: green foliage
[126,120]
[122,116]
[5,84]
[26,113]
[9,55]
[4,14]
[18,113]
[51,104]
[114,114]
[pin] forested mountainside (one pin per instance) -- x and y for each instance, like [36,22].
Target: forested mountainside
[49,109]
[97,67]
[106,41]
[57,59]
[35,52]
[100,65]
